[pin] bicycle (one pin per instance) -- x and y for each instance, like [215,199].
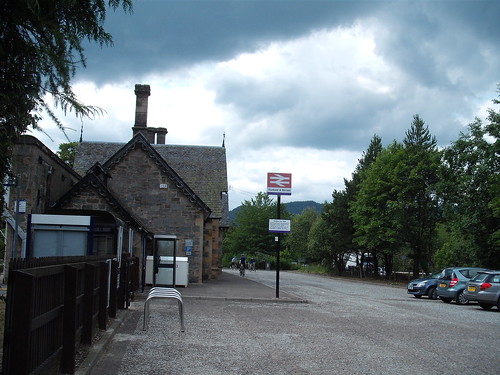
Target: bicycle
[252,267]
[242,270]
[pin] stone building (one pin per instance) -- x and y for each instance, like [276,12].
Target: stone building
[132,192]
[158,190]
[41,178]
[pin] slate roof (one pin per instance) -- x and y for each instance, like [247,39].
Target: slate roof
[202,168]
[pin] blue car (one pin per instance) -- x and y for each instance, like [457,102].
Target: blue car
[425,286]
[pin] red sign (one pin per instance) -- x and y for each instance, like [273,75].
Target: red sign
[279,183]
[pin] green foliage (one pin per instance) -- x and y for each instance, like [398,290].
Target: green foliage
[41,47]
[352,188]
[314,268]
[296,241]
[395,207]
[250,232]
[419,194]
[320,243]
[67,152]
[336,215]
[470,188]
[454,250]
[376,212]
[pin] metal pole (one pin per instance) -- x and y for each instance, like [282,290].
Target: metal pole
[278,251]
[16,199]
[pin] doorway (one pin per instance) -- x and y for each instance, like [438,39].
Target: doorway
[164,260]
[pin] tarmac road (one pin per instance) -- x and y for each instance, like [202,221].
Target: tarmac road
[236,326]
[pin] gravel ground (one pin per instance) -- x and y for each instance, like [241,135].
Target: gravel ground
[339,331]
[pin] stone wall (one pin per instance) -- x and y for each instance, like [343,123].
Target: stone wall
[42,177]
[148,194]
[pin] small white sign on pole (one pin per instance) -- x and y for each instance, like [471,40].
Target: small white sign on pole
[279,226]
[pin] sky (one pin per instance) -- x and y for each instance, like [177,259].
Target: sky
[296,86]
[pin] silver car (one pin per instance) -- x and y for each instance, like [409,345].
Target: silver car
[485,289]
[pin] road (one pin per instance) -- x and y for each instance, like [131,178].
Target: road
[385,325]
[348,327]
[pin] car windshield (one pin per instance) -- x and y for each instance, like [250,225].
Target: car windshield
[436,275]
[480,276]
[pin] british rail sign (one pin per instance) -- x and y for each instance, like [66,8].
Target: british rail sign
[279,183]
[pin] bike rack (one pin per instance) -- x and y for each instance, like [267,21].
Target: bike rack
[158,292]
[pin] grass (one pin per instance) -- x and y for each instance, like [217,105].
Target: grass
[314,268]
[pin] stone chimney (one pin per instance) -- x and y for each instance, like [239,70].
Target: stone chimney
[142,93]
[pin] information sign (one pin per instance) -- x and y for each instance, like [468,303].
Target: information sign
[279,226]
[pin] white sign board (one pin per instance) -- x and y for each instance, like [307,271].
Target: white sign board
[279,226]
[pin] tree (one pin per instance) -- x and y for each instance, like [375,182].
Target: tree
[40,49]
[419,194]
[376,212]
[396,206]
[67,152]
[336,215]
[319,243]
[352,187]
[470,190]
[250,231]
[296,240]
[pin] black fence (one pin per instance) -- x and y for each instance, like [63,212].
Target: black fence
[54,305]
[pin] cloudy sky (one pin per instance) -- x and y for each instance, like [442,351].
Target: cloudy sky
[297,86]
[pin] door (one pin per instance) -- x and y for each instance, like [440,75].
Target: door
[164,260]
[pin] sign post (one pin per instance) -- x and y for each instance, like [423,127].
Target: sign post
[279,184]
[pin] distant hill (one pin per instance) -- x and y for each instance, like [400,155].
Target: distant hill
[295,208]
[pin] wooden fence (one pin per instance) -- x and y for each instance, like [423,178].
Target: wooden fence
[53,309]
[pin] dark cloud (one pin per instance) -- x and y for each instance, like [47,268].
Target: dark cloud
[445,53]
[166,35]
[442,43]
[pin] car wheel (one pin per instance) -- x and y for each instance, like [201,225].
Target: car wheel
[461,300]
[445,300]
[485,306]
[432,293]
[417,296]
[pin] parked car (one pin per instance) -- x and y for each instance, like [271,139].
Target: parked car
[451,283]
[425,286]
[485,289]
